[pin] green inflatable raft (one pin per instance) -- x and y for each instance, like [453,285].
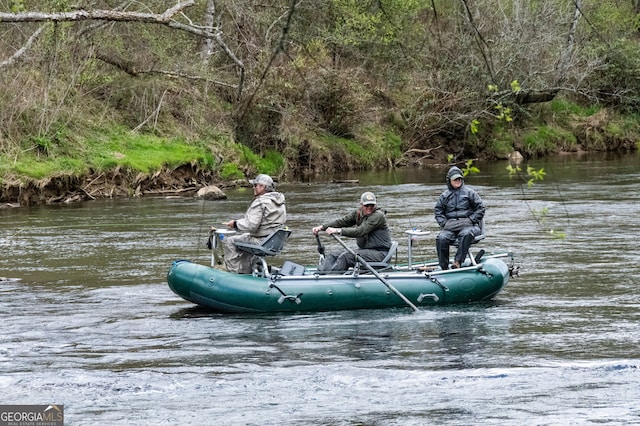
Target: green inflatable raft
[294,288]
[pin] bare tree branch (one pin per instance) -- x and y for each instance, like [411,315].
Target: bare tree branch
[115,15]
[279,49]
[23,49]
[217,37]
[480,42]
[97,14]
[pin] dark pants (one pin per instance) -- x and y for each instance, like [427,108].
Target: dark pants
[464,238]
[341,261]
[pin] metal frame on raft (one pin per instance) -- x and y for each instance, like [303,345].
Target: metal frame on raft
[431,267]
[261,269]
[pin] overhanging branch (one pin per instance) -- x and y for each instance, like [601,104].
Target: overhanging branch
[166,18]
[97,14]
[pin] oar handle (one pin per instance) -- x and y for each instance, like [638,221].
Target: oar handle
[320,247]
[374,272]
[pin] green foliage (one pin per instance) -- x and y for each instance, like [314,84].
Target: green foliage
[546,139]
[379,76]
[230,171]
[126,150]
[532,174]
[61,5]
[618,81]
[613,20]
[384,146]
[630,125]
[392,144]
[364,153]
[504,112]
[475,124]
[272,163]
[248,157]
[17,6]
[42,144]
[381,22]
[561,106]
[469,168]
[501,144]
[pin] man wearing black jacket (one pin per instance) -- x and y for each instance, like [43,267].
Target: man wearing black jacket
[459,212]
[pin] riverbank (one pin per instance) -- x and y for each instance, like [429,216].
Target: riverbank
[181,180]
[121,163]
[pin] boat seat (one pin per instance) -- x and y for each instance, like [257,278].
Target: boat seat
[291,268]
[386,262]
[271,245]
[474,259]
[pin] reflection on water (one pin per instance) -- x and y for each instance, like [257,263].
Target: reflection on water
[89,322]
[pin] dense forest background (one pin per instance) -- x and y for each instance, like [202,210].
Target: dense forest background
[159,93]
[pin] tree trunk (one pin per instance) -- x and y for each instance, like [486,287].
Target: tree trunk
[207,45]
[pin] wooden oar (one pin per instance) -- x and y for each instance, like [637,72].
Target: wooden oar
[374,272]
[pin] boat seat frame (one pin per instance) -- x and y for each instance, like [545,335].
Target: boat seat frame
[386,262]
[271,245]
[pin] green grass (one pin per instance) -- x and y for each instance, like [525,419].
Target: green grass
[546,139]
[147,153]
[32,167]
[143,153]
[564,106]
[373,148]
[271,163]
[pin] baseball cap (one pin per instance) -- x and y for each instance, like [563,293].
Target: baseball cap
[367,198]
[262,180]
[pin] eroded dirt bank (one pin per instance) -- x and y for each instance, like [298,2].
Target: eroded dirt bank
[116,183]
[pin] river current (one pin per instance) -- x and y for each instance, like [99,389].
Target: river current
[89,322]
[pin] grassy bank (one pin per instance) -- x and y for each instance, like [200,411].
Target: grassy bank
[41,170]
[301,88]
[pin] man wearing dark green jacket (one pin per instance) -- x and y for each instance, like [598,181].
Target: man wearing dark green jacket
[368,225]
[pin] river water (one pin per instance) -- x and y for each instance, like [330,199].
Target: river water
[88,321]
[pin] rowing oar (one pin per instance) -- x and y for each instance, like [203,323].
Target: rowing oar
[320,250]
[320,247]
[378,276]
